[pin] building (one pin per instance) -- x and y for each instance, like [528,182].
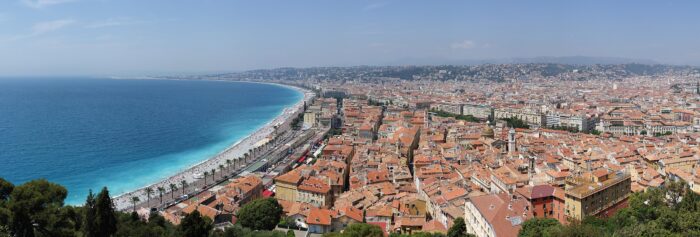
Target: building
[244,189]
[478,111]
[286,186]
[530,116]
[597,193]
[546,201]
[315,191]
[311,118]
[496,215]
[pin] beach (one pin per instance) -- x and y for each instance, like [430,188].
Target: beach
[259,138]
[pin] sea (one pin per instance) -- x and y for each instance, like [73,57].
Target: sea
[89,133]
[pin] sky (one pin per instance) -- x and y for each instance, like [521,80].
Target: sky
[155,37]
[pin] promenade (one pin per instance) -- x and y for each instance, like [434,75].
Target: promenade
[237,156]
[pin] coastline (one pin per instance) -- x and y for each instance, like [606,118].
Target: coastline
[233,151]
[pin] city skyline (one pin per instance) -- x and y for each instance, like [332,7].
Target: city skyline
[129,38]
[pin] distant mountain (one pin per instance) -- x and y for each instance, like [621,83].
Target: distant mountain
[571,60]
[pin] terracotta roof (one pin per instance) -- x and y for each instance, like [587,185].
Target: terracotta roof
[503,213]
[320,217]
[434,226]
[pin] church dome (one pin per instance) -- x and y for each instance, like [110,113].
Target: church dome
[487,132]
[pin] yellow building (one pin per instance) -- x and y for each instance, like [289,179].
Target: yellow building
[686,163]
[597,193]
[310,118]
[286,186]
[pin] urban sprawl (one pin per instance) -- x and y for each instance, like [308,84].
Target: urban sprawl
[412,148]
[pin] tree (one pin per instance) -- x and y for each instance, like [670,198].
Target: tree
[260,214]
[183,183]
[206,173]
[5,189]
[4,231]
[362,230]
[149,192]
[417,234]
[221,170]
[213,175]
[106,221]
[536,227]
[90,228]
[161,190]
[173,188]
[458,228]
[228,164]
[35,207]
[237,230]
[515,122]
[131,225]
[135,200]
[195,225]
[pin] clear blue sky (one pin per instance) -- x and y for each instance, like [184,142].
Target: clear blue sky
[132,37]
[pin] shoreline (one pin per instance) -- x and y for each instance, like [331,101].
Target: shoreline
[231,152]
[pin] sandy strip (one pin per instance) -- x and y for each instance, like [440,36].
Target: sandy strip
[123,201]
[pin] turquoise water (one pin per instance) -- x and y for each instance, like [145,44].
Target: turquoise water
[89,133]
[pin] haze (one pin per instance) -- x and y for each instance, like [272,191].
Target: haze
[128,37]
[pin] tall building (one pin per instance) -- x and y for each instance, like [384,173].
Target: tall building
[511,141]
[597,193]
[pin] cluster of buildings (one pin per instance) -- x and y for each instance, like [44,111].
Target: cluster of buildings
[410,170]
[406,170]
[398,165]
[219,204]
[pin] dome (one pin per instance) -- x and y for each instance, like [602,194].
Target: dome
[487,132]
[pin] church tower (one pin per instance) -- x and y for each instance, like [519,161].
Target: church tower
[511,141]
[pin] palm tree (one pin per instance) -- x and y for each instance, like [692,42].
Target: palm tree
[213,175]
[184,186]
[206,173]
[173,188]
[161,190]
[135,200]
[221,170]
[228,164]
[149,192]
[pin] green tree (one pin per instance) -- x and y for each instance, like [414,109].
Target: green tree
[260,214]
[195,225]
[149,192]
[130,225]
[362,230]
[5,189]
[35,207]
[4,231]
[536,227]
[161,190]
[516,123]
[106,221]
[173,188]
[206,173]
[134,201]
[458,228]
[90,227]
[183,184]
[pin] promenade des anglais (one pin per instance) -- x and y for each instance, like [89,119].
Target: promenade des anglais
[371,118]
